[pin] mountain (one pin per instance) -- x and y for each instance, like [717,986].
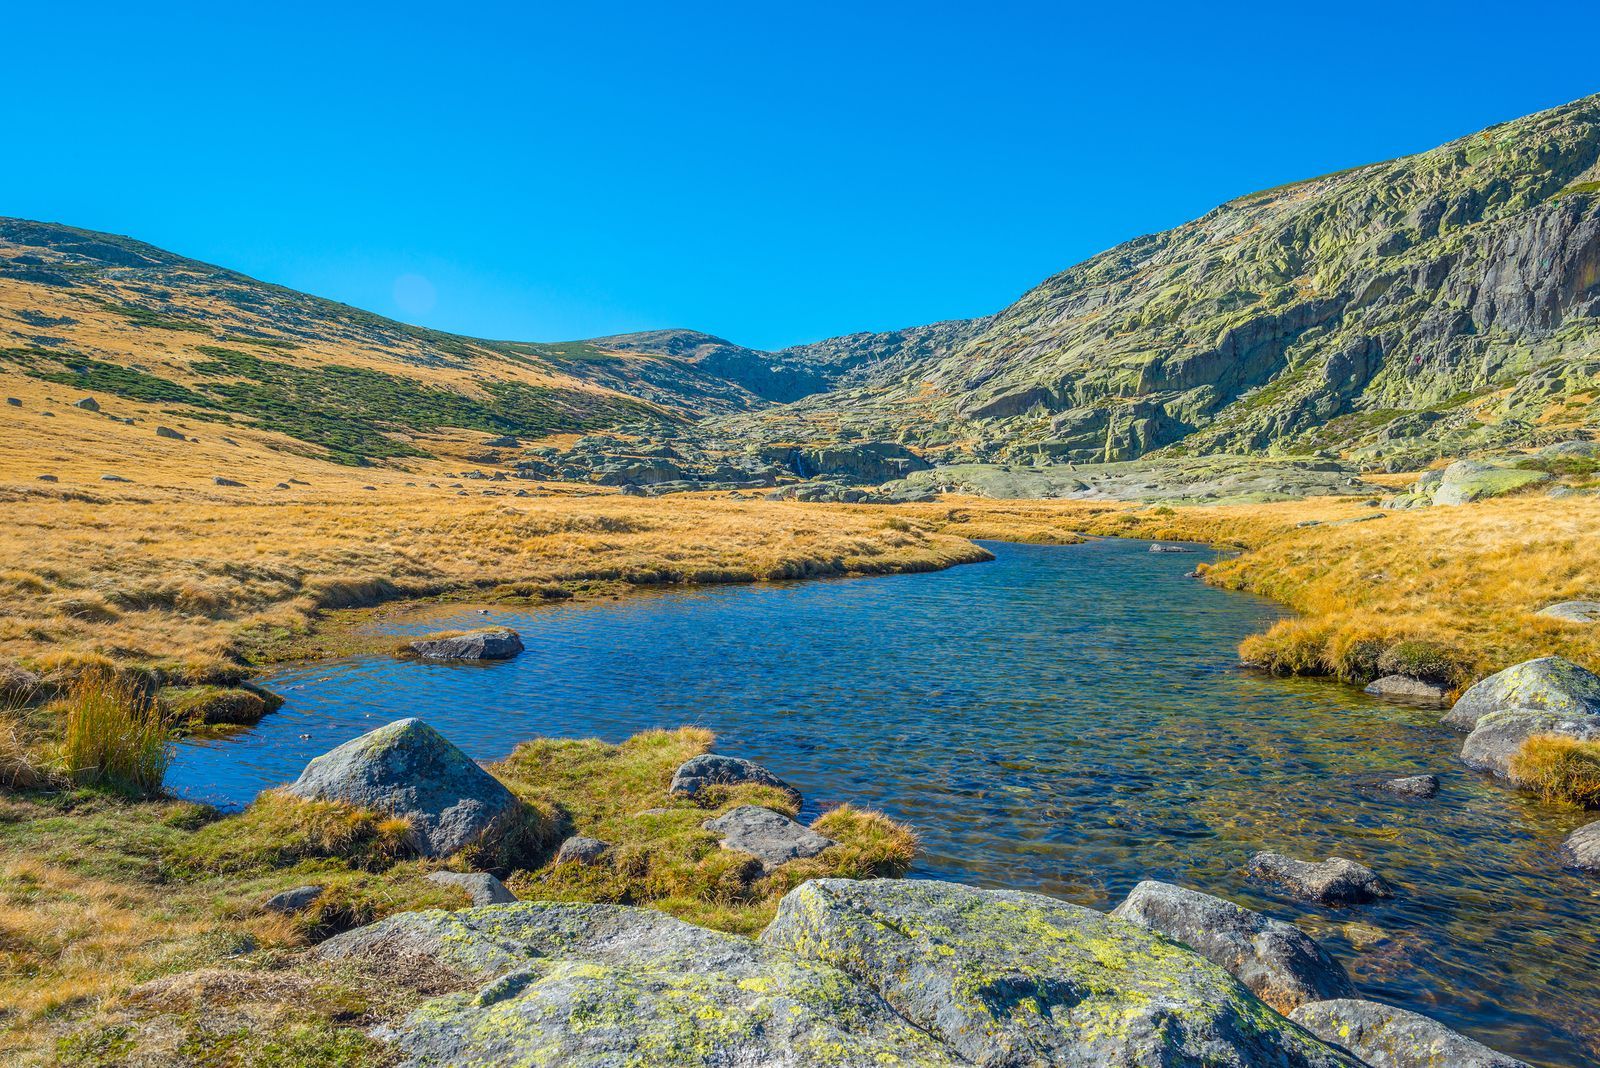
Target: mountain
[1421,307]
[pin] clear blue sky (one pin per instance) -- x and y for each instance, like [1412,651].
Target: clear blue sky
[773,173]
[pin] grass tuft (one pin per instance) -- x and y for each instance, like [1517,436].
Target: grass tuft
[279,830]
[114,735]
[1560,770]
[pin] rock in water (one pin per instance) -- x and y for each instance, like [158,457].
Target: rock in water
[771,837]
[480,886]
[1281,964]
[1407,690]
[609,985]
[1499,735]
[710,769]
[1573,611]
[1581,850]
[1335,881]
[1012,979]
[477,645]
[1386,1037]
[1412,786]
[411,770]
[1548,684]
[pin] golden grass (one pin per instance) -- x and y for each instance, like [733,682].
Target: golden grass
[113,735]
[1560,770]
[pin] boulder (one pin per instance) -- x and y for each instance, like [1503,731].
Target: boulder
[1468,480]
[581,850]
[168,432]
[17,684]
[1581,850]
[1404,689]
[218,480]
[1011,979]
[1335,881]
[290,901]
[1386,1037]
[710,769]
[88,404]
[1573,611]
[1548,684]
[480,886]
[497,644]
[1499,735]
[564,984]
[770,837]
[15,402]
[1412,786]
[409,769]
[1280,963]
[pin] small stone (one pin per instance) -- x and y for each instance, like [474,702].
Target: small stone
[297,900]
[1386,1037]
[770,837]
[712,769]
[580,850]
[480,886]
[1412,786]
[1404,689]
[220,481]
[48,478]
[1581,850]
[88,404]
[14,402]
[114,478]
[1335,881]
[168,432]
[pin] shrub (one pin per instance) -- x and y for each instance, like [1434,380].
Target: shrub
[1421,660]
[1559,770]
[114,735]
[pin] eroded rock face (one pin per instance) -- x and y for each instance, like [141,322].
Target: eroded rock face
[608,985]
[1012,979]
[771,837]
[1386,1037]
[712,769]
[1581,850]
[411,770]
[1548,684]
[1406,690]
[478,645]
[1335,881]
[1280,963]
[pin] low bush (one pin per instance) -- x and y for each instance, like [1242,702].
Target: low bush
[1560,770]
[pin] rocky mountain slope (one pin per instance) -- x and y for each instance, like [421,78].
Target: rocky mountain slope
[1400,311]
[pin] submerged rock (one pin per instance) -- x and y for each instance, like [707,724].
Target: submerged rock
[1013,979]
[1386,1037]
[711,769]
[1573,611]
[1412,786]
[563,984]
[1281,964]
[409,769]
[1548,684]
[770,837]
[496,644]
[1407,690]
[1335,881]
[480,886]
[1581,850]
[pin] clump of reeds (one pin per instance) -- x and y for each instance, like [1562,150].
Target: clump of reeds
[114,735]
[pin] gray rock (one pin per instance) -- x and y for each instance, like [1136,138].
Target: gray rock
[1499,735]
[88,404]
[1403,689]
[1468,480]
[497,644]
[1280,963]
[290,901]
[1413,786]
[14,402]
[168,432]
[1581,850]
[48,478]
[606,985]
[1548,684]
[17,684]
[581,850]
[409,769]
[1386,1037]
[480,886]
[1335,881]
[1573,611]
[218,480]
[114,478]
[771,837]
[1012,979]
[710,769]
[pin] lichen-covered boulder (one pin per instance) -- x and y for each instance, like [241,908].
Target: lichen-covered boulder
[1386,1037]
[1335,881]
[1581,850]
[1406,690]
[1499,735]
[411,770]
[479,886]
[1281,964]
[770,837]
[1469,480]
[713,769]
[493,644]
[1573,611]
[1012,979]
[1548,684]
[604,985]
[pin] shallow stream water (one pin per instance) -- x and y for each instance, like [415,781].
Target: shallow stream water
[1067,720]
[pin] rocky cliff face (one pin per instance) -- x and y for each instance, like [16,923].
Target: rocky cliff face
[1403,310]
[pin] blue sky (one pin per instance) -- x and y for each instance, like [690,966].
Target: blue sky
[771,173]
